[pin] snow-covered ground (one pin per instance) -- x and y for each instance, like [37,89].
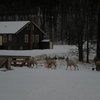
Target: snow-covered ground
[49,84]
[58,49]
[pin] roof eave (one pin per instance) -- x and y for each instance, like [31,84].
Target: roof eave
[22,28]
[6,33]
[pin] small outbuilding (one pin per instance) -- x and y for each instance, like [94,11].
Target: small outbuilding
[46,43]
[21,35]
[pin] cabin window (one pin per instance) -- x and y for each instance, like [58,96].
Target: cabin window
[4,38]
[10,37]
[26,38]
[36,38]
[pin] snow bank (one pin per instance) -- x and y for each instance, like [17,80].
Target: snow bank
[64,49]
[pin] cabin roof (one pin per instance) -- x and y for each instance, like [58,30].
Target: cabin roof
[11,27]
[45,40]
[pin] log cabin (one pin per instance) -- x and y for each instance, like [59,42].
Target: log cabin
[20,35]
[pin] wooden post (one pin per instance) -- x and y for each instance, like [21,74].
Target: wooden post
[14,62]
[8,64]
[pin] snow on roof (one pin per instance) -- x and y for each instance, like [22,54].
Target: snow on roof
[11,26]
[45,40]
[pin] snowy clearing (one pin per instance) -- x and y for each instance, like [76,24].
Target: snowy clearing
[49,84]
[44,84]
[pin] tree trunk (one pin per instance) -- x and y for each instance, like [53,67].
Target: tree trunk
[80,46]
[87,58]
[98,36]
[87,49]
